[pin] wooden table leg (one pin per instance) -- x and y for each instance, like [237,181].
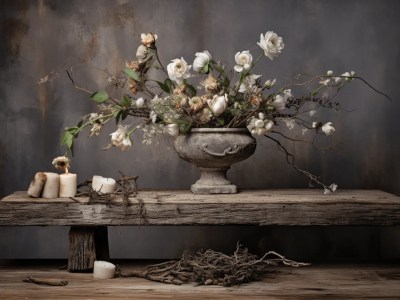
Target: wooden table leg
[87,244]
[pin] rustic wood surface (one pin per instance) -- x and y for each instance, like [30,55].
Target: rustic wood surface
[252,207]
[313,282]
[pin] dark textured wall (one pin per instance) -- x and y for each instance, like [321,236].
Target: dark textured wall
[38,38]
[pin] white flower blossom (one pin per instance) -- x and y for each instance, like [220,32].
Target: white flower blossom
[120,138]
[126,143]
[331,188]
[269,83]
[260,126]
[172,129]
[248,83]
[202,59]
[314,124]
[243,61]
[327,128]
[218,104]
[279,101]
[139,103]
[148,39]
[329,73]
[272,44]
[178,70]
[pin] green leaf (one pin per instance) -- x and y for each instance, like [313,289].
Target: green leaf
[205,69]
[132,74]
[190,90]
[125,114]
[164,87]
[220,121]
[185,127]
[100,96]
[118,116]
[168,82]
[67,139]
[126,101]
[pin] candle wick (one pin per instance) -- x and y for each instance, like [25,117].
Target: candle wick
[66,170]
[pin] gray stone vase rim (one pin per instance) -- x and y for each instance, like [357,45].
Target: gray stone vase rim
[220,130]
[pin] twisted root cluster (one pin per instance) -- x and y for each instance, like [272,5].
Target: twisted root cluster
[210,267]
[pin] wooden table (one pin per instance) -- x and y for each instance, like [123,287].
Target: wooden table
[88,234]
[313,282]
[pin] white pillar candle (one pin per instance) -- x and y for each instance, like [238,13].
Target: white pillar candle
[68,185]
[51,186]
[103,185]
[103,270]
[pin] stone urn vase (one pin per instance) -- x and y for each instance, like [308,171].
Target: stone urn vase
[213,151]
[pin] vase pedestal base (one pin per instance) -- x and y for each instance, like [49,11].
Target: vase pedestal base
[213,189]
[213,181]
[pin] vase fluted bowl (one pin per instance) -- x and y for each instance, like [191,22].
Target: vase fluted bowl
[213,151]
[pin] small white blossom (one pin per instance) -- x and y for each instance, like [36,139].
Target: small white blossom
[126,143]
[202,59]
[331,188]
[325,82]
[243,61]
[314,124]
[148,39]
[218,104]
[260,126]
[329,73]
[347,76]
[327,128]
[269,83]
[279,102]
[178,70]
[248,83]
[139,103]
[120,138]
[271,43]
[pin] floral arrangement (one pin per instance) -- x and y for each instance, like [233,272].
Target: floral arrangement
[209,94]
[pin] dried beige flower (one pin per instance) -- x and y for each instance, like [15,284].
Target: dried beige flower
[61,163]
[210,83]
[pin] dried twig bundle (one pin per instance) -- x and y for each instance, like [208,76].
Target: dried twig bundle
[211,267]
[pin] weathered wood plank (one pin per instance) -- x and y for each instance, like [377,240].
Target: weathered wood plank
[314,282]
[253,207]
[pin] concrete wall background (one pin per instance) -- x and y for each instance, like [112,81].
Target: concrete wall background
[40,37]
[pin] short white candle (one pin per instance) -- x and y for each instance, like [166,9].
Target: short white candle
[51,186]
[68,184]
[103,185]
[103,270]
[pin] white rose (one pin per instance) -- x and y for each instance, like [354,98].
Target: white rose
[328,129]
[202,59]
[243,61]
[271,43]
[172,129]
[141,53]
[178,70]
[248,82]
[148,39]
[218,104]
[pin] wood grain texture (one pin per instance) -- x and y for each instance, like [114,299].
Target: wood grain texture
[252,207]
[313,282]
